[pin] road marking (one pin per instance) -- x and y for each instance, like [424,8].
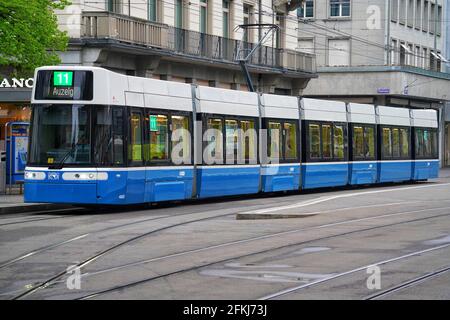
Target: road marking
[267,236]
[290,290]
[42,249]
[348,195]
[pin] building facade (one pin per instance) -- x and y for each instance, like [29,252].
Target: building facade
[386,52]
[189,41]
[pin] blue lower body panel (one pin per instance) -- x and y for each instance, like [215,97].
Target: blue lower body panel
[215,181]
[394,171]
[425,169]
[83,193]
[321,175]
[280,178]
[168,184]
[364,172]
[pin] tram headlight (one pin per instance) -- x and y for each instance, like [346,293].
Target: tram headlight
[84,176]
[34,175]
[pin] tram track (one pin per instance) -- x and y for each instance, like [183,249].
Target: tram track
[408,284]
[118,245]
[47,212]
[53,280]
[84,235]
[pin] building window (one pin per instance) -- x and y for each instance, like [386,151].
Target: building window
[340,8]
[418,14]
[394,56]
[432,18]
[403,51]
[439,21]
[339,52]
[248,19]
[152,10]
[394,10]
[203,16]
[418,60]
[115,6]
[179,13]
[425,58]
[425,16]
[306,10]
[410,13]
[226,18]
[402,12]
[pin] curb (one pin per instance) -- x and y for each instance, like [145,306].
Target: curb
[257,216]
[31,208]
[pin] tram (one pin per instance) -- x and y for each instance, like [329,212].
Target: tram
[99,137]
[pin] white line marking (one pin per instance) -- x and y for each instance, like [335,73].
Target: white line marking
[286,291]
[348,195]
[42,249]
[256,239]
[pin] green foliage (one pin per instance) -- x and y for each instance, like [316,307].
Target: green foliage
[29,35]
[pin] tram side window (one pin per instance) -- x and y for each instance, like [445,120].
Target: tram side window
[434,144]
[326,141]
[249,141]
[358,142]
[404,140]
[314,141]
[426,143]
[181,140]
[338,142]
[135,146]
[387,142]
[159,137]
[118,135]
[290,145]
[103,128]
[395,143]
[231,138]
[363,142]
[275,141]
[369,142]
[214,141]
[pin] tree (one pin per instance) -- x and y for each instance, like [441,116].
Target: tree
[29,35]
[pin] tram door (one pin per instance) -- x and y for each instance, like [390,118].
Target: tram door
[136,174]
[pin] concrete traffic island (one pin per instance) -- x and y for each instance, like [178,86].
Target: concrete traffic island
[272,215]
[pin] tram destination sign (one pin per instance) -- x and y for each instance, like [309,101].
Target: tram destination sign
[64,85]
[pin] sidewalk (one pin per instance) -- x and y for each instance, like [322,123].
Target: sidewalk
[14,204]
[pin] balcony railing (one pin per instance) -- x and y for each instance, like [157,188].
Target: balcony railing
[101,25]
[123,28]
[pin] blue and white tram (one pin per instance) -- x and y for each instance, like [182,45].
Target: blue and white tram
[98,137]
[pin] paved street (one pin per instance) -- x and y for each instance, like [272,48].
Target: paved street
[199,250]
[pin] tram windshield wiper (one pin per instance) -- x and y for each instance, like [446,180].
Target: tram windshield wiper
[60,164]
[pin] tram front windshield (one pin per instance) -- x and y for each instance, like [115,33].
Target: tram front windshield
[60,135]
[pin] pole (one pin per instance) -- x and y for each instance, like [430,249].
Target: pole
[388,33]
[436,16]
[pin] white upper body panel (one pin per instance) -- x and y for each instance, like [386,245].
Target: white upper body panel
[424,118]
[393,116]
[282,107]
[323,110]
[159,94]
[362,113]
[225,101]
